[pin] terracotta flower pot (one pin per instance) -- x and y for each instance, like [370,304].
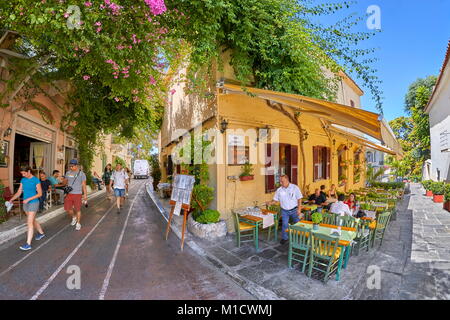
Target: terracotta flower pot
[246,178]
[447,205]
[438,198]
[429,193]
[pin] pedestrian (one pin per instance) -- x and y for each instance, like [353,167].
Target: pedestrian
[97,180]
[32,191]
[106,179]
[46,186]
[128,171]
[57,185]
[290,199]
[120,180]
[75,179]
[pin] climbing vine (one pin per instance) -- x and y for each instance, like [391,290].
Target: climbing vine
[115,54]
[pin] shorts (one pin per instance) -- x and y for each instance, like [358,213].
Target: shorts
[72,201]
[119,192]
[31,207]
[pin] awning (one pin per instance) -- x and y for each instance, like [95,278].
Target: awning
[366,122]
[360,140]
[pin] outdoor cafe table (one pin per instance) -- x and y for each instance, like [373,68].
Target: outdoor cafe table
[309,207]
[255,216]
[345,240]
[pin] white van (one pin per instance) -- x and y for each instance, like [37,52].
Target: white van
[141,169]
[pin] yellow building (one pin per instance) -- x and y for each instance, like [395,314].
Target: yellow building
[317,142]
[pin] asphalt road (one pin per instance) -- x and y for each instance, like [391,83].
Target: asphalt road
[118,257]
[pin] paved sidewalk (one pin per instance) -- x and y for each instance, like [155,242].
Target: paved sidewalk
[401,276]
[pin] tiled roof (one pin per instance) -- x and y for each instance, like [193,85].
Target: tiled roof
[441,74]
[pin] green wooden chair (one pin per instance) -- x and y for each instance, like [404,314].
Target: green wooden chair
[325,253]
[382,223]
[392,204]
[307,215]
[299,246]
[363,236]
[329,218]
[347,221]
[245,232]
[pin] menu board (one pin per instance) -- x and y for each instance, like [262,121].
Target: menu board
[182,188]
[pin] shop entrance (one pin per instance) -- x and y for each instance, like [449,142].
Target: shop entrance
[31,152]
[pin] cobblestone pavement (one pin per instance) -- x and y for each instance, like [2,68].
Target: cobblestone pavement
[425,276]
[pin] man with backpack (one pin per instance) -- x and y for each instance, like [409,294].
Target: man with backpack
[75,188]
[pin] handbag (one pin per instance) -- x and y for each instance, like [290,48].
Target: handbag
[68,189]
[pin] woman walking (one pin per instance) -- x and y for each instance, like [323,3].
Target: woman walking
[107,178]
[32,191]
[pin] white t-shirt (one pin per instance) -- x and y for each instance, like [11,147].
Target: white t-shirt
[288,197]
[119,178]
[340,208]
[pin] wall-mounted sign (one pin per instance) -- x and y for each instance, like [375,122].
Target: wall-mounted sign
[33,129]
[236,140]
[444,142]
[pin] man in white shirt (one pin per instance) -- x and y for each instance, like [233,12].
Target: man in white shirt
[340,207]
[290,199]
[120,178]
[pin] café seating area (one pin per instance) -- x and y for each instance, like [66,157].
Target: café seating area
[322,243]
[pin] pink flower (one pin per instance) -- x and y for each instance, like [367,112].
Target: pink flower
[152,80]
[99,29]
[156,6]
[88,3]
[117,99]
[98,23]
[172,92]
[86,77]
[66,15]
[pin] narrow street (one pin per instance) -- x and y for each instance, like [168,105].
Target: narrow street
[120,257]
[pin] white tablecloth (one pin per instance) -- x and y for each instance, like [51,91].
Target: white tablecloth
[268,219]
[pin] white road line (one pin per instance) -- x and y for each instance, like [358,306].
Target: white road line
[30,253]
[55,274]
[116,251]
[43,244]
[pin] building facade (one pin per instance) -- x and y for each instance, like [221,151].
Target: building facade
[250,128]
[31,139]
[438,109]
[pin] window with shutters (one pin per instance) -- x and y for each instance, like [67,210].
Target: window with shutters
[321,163]
[287,165]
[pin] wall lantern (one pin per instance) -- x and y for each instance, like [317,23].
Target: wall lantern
[7,132]
[223,126]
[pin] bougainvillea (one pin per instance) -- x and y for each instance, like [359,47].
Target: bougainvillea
[115,53]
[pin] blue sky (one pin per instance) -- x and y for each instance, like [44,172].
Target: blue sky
[412,45]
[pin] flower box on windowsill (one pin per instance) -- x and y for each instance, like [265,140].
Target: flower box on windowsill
[438,198]
[246,178]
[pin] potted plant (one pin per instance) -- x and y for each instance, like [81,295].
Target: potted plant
[247,170]
[447,197]
[427,186]
[342,179]
[316,218]
[438,189]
